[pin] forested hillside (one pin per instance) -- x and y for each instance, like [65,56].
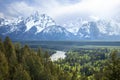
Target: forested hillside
[92,63]
[23,63]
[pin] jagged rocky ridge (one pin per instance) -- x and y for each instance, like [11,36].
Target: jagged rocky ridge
[42,27]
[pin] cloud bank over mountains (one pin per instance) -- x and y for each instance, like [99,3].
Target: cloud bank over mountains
[61,10]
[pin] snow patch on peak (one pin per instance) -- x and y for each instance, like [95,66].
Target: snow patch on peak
[29,25]
[12,22]
[72,27]
[56,29]
[19,19]
[109,27]
[39,21]
[1,21]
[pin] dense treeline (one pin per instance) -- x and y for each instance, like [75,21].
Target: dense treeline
[23,63]
[92,64]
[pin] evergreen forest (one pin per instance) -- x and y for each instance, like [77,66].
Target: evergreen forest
[24,63]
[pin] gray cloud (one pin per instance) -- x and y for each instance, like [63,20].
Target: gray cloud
[60,9]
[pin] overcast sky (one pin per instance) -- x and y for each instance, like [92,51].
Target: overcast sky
[61,10]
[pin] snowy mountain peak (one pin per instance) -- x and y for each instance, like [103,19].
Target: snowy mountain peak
[39,21]
[42,27]
[13,21]
[18,20]
[1,21]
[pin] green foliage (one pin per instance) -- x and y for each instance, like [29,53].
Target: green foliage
[34,66]
[23,63]
[90,63]
[39,53]
[21,74]
[112,70]
[3,67]
[2,49]
[10,52]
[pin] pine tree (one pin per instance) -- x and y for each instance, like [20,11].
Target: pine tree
[39,52]
[112,71]
[74,77]
[10,51]
[25,52]
[2,49]
[34,66]
[3,67]
[18,52]
[11,56]
[21,74]
[46,57]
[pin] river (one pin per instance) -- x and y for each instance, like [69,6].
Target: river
[58,55]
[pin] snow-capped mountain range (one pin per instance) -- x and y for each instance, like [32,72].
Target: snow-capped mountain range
[42,27]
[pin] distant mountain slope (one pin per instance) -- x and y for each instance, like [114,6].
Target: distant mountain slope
[42,27]
[56,33]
